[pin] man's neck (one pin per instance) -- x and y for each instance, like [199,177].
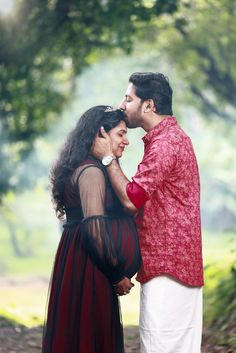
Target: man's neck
[153,120]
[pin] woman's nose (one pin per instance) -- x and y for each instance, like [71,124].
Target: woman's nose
[126,141]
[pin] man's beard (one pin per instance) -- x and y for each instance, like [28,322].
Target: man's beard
[134,120]
[126,120]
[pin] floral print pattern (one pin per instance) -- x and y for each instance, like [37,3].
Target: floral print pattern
[169,224]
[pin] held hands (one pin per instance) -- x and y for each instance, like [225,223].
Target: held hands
[124,286]
[101,145]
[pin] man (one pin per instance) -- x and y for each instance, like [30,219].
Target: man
[165,196]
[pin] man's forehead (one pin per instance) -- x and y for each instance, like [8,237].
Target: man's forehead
[130,90]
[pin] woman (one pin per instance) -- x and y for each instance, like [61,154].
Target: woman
[99,245]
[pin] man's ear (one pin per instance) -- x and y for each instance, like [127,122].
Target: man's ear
[149,106]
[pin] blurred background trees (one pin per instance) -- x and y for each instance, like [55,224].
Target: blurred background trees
[58,58]
[200,41]
[44,46]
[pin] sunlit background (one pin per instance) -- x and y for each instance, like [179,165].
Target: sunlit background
[56,61]
[7,7]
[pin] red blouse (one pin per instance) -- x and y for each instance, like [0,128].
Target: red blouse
[166,190]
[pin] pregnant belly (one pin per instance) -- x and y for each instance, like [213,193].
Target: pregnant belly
[127,245]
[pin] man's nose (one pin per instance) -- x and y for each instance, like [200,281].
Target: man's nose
[122,105]
[126,141]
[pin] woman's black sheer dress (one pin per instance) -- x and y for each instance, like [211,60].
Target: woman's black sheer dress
[99,246]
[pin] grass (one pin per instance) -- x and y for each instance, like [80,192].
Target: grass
[130,306]
[38,251]
[219,256]
[26,302]
[24,280]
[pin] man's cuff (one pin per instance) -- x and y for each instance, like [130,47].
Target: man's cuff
[136,194]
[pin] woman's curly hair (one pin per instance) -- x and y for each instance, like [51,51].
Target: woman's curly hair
[77,148]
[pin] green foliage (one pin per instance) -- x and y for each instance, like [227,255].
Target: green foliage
[25,304]
[28,229]
[215,144]
[200,41]
[43,47]
[221,313]
[219,290]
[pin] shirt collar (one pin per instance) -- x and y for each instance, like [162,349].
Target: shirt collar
[156,130]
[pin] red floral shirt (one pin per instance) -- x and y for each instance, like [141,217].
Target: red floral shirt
[166,189]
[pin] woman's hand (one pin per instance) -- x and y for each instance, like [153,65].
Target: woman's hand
[124,286]
[101,145]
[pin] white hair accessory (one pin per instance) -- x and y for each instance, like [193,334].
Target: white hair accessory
[109,109]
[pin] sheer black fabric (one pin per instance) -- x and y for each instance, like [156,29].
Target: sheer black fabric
[99,246]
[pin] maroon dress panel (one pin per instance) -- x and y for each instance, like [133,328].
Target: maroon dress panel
[83,308]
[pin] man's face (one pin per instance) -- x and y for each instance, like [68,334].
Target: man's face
[132,106]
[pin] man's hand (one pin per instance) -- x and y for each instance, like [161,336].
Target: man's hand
[124,286]
[102,145]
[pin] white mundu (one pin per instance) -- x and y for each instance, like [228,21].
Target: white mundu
[170,317]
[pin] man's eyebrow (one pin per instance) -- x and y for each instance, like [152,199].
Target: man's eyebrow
[123,130]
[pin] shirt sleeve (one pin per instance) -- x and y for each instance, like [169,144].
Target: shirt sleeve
[136,194]
[96,229]
[158,162]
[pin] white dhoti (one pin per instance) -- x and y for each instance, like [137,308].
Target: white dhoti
[170,317]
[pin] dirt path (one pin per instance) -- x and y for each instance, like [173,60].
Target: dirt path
[16,339]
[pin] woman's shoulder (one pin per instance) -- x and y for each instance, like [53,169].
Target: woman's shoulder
[91,162]
[89,168]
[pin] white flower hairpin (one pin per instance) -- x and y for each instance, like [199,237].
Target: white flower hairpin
[109,109]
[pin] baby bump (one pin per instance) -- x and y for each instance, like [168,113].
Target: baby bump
[127,244]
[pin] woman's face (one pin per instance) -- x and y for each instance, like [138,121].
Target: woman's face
[118,136]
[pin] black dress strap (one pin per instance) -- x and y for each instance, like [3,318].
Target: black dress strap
[96,165]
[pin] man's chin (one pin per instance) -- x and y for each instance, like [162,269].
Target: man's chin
[129,124]
[126,119]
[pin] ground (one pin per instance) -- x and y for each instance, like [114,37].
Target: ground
[19,339]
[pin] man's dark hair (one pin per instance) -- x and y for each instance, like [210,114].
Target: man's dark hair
[155,86]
